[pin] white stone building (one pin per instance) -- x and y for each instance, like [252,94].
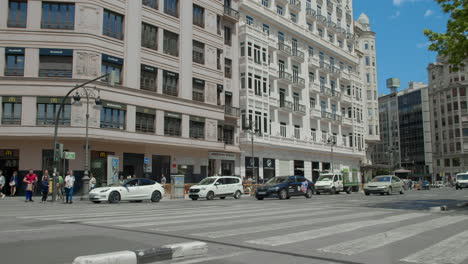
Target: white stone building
[308,79]
[176,101]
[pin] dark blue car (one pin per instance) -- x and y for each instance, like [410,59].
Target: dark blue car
[284,187]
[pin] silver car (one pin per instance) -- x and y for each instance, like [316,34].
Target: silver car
[385,184]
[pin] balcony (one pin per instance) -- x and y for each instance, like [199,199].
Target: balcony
[295,5]
[284,48]
[335,117]
[273,72]
[327,115]
[341,30]
[298,55]
[335,93]
[326,91]
[287,105]
[14,72]
[347,121]
[315,113]
[55,73]
[285,76]
[324,66]
[299,108]
[313,61]
[298,81]
[231,13]
[231,111]
[313,87]
[331,25]
[322,20]
[334,70]
[311,14]
[349,35]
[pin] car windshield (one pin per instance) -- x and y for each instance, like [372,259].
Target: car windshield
[462,177]
[207,181]
[277,180]
[325,178]
[382,179]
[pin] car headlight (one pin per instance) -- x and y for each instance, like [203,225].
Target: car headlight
[382,187]
[203,188]
[105,190]
[273,189]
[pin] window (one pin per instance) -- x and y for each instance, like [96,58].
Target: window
[312,102]
[14,62]
[279,10]
[366,46]
[293,18]
[320,32]
[145,121]
[447,162]
[17,13]
[218,24]
[297,132]
[11,111]
[151,3]
[266,29]
[198,53]
[109,64]
[172,124]
[149,36]
[368,77]
[171,7]
[367,61]
[330,38]
[249,20]
[266,3]
[219,54]
[198,16]
[171,43]
[47,109]
[310,27]
[148,79]
[197,127]
[340,43]
[58,15]
[283,129]
[257,54]
[227,68]
[113,116]
[55,63]
[198,90]
[113,25]
[170,83]
[227,36]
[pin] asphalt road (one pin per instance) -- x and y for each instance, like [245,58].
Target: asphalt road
[340,228]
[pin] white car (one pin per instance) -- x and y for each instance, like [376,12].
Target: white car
[461,181]
[131,190]
[217,186]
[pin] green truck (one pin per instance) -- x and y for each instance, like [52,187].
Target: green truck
[339,181]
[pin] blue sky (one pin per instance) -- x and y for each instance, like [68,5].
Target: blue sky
[401,46]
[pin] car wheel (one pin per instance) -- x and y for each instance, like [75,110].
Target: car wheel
[259,197]
[222,197]
[333,191]
[401,192]
[367,194]
[114,197]
[318,193]
[309,193]
[390,191]
[283,194]
[382,193]
[237,195]
[194,198]
[155,197]
[210,196]
[348,190]
[96,202]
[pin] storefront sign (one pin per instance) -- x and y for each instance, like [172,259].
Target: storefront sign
[145,110]
[113,105]
[11,99]
[9,153]
[112,59]
[173,115]
[268,164]
[56,52]
[69,155]
[148,68]
[112,169]
[221,156]
[52,100]
[16,51]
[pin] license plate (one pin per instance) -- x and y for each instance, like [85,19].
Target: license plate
[261,192]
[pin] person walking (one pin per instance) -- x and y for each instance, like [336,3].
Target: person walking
[163,179]
[14,181]
[29,180]
[2,184]
[60,185]
[69,183]
[92,182]
[45,186]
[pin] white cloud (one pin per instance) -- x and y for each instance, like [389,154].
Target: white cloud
[428,13]
[401,2]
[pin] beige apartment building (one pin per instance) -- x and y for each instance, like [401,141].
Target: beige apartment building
[174,109]
[308,89]
[449,119]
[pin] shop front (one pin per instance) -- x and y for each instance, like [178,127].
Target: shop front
[9,163]
[268,168]
[221,163]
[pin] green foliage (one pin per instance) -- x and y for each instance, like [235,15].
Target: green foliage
[453,44]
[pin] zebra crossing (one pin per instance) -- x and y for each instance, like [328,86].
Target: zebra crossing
[316,229]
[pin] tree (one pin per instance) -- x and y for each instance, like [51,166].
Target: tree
[452,44]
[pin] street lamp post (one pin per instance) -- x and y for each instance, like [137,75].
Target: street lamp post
[57,155]
[253,131]
[332,142]
[88,92]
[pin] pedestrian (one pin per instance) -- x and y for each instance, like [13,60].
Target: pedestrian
[121,180]
[29,180]
[410,184]
[14,181]
[69,183]
[60,185]
[45,186]
[163,179]
[92,182]
[2,184]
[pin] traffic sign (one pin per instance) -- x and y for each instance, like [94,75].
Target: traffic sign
[146,161]
[69,155]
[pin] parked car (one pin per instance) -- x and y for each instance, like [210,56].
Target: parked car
[384,184]
[131,190]
[284,187]
[423,185]
[217,186]
[461,181]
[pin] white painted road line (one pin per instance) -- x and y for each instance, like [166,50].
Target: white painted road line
[256,219]
[284,225]
[191,261]
[449,251]
[331,230]
[31,230]
[366,243]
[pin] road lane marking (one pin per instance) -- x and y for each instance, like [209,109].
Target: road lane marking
[30,230]
[330,230]
[257,218]
[191,261]
[366,243]
[449,251]
[291,224]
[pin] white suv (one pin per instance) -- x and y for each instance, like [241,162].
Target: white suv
[217,186]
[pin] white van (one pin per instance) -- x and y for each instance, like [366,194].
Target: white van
[331,183]
[217,186]
[461,181]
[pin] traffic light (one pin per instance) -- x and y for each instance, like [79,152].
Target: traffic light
[58,151]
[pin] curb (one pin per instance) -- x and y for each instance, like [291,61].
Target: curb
[167,252]
[442,208]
